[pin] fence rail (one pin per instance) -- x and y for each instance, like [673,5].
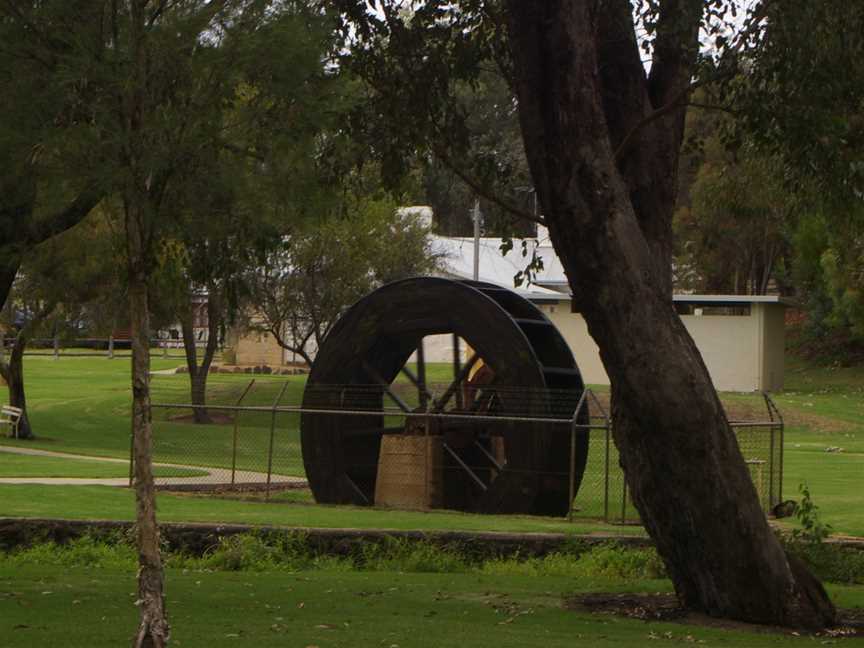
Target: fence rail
[253,440]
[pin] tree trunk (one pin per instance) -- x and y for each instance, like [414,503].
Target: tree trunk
[681,460]
[198,374]
[13,371]
[153,631]
[13,374]
[8,272]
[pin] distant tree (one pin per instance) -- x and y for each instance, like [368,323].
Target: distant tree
[799,98]
[45,188]
[323,267]
[734,235]
[58,281]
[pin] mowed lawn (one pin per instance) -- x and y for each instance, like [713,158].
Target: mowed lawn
[90,607]
[81,405]
[15,465]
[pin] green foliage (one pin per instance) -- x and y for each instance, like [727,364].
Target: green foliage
[733,236]
[323,266]
[398,554]
[813,530]
[86,551]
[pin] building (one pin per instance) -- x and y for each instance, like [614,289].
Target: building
[741,337]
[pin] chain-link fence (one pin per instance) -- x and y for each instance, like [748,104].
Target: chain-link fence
[477,448]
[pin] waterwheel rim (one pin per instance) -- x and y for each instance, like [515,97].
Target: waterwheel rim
[534,374]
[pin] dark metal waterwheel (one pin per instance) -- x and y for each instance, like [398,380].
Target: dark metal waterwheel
[490,466]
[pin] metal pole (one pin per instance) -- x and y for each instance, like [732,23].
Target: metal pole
[476,218]
[236,428]
[272,435]
[572,467]
[606,479]
[131,457]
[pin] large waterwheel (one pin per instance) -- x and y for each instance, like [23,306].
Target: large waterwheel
[517,366]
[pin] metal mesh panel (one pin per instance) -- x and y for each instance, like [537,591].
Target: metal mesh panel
[421,460]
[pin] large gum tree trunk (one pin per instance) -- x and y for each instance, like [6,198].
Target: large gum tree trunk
[609,214]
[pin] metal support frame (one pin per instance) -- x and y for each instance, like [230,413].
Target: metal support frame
[238,409]
[599,420]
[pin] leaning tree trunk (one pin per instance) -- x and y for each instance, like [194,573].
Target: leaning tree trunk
[13,373]
[612,231]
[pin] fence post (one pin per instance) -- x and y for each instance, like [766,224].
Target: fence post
[56,347]
[131,457]
[272,435]
[236,429]
[111,347]
[573,423]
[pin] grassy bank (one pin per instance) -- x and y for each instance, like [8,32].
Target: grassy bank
[238,595]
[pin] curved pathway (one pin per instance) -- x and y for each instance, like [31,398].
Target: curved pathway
[212,476]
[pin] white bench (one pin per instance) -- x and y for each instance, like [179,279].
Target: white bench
[11,416]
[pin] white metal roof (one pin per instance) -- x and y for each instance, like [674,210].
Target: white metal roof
[550,284]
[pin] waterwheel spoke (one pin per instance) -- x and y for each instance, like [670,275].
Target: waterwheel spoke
[374,375]
[457,359]
[465,467]
[416,382]
[456,384]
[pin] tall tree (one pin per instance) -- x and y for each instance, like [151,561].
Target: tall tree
[57,279]
[321,268]
[800,97]
[734,235]
[44,188]
[602,137]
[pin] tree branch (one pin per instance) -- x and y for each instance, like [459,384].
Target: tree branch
[65,219]
[484,192]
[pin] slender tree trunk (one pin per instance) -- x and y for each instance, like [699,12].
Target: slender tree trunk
[198,374]
[680,457]
[153,631]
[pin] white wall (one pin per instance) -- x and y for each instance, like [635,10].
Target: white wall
[742,352]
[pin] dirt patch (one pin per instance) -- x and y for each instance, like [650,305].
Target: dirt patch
[665,607]
[216,418]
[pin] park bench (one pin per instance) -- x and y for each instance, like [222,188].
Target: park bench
[11,416]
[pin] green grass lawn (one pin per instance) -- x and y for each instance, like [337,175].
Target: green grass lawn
[14,465]
[40,606]
[81,405]
[292,508]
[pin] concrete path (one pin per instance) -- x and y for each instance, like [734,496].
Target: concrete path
[212,476]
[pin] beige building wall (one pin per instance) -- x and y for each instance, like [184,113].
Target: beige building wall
[253,348]
[742,352]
